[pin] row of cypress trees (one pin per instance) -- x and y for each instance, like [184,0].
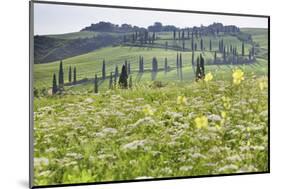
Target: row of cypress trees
[59,87]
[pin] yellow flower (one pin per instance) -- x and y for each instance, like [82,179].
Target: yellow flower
[226,102]
[147,110]
[223,114]
[238,76]
[262,84]
[182,100]
[208,77]
[201,122]
[218,126]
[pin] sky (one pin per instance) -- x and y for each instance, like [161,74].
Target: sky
[58,19]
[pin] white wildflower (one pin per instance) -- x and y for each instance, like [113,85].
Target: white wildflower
[186,168]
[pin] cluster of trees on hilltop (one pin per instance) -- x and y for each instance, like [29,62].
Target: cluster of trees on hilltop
[109,27]
[214,28]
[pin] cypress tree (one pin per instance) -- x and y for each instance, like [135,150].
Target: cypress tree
[126,66]
[116,71]
[180,64]
[222,45]
[177,64]
[96,86]
[183,45]
[74,75]
[202,66]
[110,81]
[130,82]
[154,65]
[55,87]
[215,57]
[201,44]
[61,82]
[192,42]
[103,70]
[224,55]
[115,75]
[180,61]
[195,46]
[192,62]
[166,65]
[243,50]
[69,74]
[123,78]
[210,45]
[140,66]
[166,45]
[198,72]
[174,34]
[179,34]
[153,37]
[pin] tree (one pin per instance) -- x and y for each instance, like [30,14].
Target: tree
[111,81]
[192,62]
[141,68]
[215,57]
[96,86]
[126,66]
[182,35]
[103,70]
[198,70]
[61,82]
[123,78]
[210,45]
[180,66]
[224,55]
[243,50]
[166,45]
[130,82]
[153,37]
[202,65]
[192,42]
[69,74]
[201,44]
[166,65]
[55,87]
[154,64]
[183,45]
[177,64]
[174,34]
[74,75]
[116,74]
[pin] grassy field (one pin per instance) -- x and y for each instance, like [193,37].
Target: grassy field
[91,63]
[151,132]
[163,128]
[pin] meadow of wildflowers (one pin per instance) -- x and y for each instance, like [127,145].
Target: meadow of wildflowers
[208,127]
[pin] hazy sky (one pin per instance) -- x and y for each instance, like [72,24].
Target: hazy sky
[57,19]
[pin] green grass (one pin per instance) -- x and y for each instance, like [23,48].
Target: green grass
[144,133]
[81,34]
[148,131]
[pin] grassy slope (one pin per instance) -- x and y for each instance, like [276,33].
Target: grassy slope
[90,63]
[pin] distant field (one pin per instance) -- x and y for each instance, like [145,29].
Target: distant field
[90,64]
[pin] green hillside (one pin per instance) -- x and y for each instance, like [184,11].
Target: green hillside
[91,63]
